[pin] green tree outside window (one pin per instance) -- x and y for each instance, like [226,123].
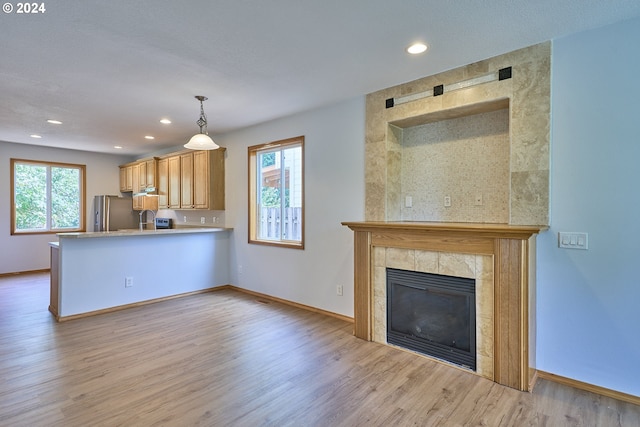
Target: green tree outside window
[47,197]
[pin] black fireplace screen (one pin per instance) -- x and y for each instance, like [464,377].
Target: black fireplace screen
[432,314]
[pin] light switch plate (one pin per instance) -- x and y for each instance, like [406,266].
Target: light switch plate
[571,240]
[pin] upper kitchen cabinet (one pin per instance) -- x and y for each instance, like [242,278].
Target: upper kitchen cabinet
[192,180]
[135,187]
[208,179]
[173,190]
[147,173]
[138,176]
[126,178]
[163,183]
[186,181]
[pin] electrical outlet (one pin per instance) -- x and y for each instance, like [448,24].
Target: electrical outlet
[447,201]
[408,202]
[215,219]
[202,220]
[184,218]
[128,282]
[339,290]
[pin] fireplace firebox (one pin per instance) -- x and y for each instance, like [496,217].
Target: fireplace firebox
[432,314]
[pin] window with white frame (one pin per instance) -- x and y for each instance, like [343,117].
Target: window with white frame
[46,197]
[276,193]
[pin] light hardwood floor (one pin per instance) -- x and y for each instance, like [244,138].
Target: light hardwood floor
[227,359]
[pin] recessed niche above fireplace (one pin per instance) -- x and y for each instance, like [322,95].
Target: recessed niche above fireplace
[463,158]
[520,189]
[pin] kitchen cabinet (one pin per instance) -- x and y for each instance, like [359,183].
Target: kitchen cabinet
[143,202]
[146,174]
[151,173]
[192,180]
[186,181]
[142,176]
[135,186]
[163,183]
[126,178]
[138,176]
[173,192]
[208,179]
[123,179]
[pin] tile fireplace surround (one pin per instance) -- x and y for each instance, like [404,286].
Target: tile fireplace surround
[465,239]
[499,257]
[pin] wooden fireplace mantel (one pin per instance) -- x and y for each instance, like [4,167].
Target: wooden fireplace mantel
[513,251]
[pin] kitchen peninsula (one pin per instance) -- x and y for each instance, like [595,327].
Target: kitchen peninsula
[94,272]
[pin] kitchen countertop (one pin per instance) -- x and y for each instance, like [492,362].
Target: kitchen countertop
[136,232]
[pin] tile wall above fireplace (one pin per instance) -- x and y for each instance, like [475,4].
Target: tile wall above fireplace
[523,192]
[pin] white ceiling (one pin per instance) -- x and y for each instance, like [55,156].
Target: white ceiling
[110,70]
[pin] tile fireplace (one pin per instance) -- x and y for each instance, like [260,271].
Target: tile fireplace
[456,181]
[500,258]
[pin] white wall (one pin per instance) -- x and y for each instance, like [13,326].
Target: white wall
[334,192]
[589,301]
[27,253]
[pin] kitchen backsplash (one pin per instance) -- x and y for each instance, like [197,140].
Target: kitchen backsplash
[192,218]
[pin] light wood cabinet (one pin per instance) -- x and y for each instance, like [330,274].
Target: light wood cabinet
[173,192]
[146,174]
[142,177]
[137,177]
[208,179]
[163,183]
[123,179]
[130,178]
[186,181]
[151,173]
[143,202]
[135,187]
[191,180]
[137,202]
[126,178]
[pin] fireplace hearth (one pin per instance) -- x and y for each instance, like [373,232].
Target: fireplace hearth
[432,314]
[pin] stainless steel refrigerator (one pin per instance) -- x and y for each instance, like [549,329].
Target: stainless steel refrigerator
[112,213]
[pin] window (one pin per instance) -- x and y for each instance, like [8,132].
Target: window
[276,193]
[46,197]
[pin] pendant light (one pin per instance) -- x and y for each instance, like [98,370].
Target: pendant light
[201,141]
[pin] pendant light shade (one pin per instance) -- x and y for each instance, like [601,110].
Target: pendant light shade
[201,141]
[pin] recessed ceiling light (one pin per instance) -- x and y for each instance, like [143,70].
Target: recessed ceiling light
[54,122]
[118,147]
[149,137]
[35,136]
[165,121]
[417,48]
